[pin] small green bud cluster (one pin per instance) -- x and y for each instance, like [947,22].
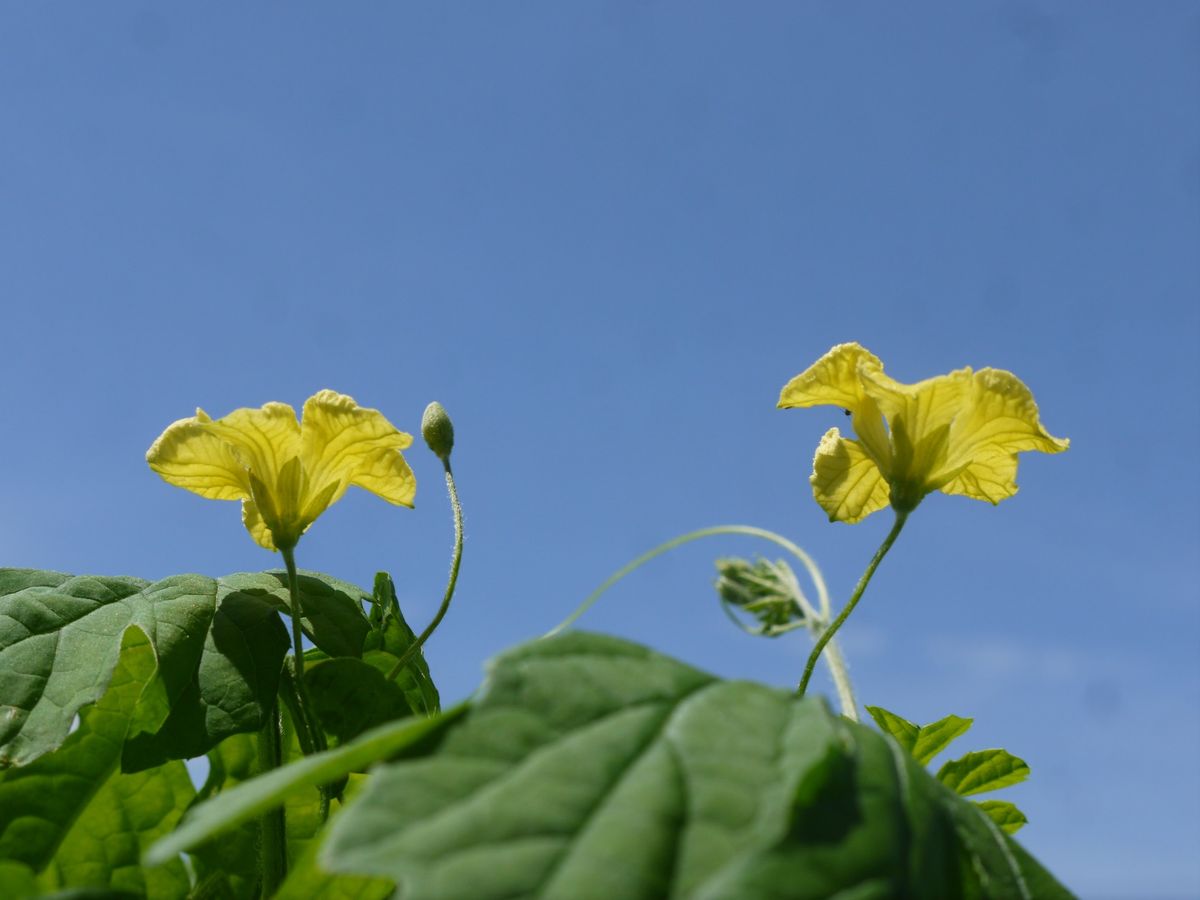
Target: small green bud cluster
[762,589]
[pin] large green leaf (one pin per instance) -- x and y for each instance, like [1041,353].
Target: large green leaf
[591,767]
[40,802]
[218,643]
[218,652]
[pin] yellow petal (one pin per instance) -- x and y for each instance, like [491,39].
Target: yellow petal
[836,379]
[924,407]
[188,455]
[1000,419]
[343,443]
[833,380]
[845,480]
[991,478]
[254,523]
[264,439]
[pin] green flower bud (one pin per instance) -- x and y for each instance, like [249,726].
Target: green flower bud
[438,430]
[760,589]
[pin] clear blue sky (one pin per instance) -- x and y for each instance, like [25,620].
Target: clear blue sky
[604,235]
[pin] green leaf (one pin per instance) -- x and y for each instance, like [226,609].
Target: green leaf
[1006,815]
[904,731]
[935,737]
[236,681]
[17,881]
[230,858]
[40,802]
[983,770]
[351,696]
[218,651]
[308,881]
[389,639]
[332,614]
[104,847]
[924,742]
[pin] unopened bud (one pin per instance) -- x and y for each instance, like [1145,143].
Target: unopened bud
[760,589]
[438,430]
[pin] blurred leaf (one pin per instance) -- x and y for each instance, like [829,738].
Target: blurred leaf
[1004,814]
[16,881]
[983,770]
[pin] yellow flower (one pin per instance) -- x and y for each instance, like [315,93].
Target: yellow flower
[286,472]
[958,433]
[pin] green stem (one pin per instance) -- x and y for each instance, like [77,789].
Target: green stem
[828,633]
[305,718]
[309,732]
[749,530]
[272,827]
[289,560]
[455,562]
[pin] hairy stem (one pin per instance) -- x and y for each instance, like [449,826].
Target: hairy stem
[455,562]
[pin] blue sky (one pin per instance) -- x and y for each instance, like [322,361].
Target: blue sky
[604,236]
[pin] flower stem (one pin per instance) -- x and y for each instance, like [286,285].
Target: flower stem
[272,851]
[289,560]
[294,690]
[828,633]
[455,562]
[749,530]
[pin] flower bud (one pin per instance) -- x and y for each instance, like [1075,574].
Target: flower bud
[760,589]
[438,430]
